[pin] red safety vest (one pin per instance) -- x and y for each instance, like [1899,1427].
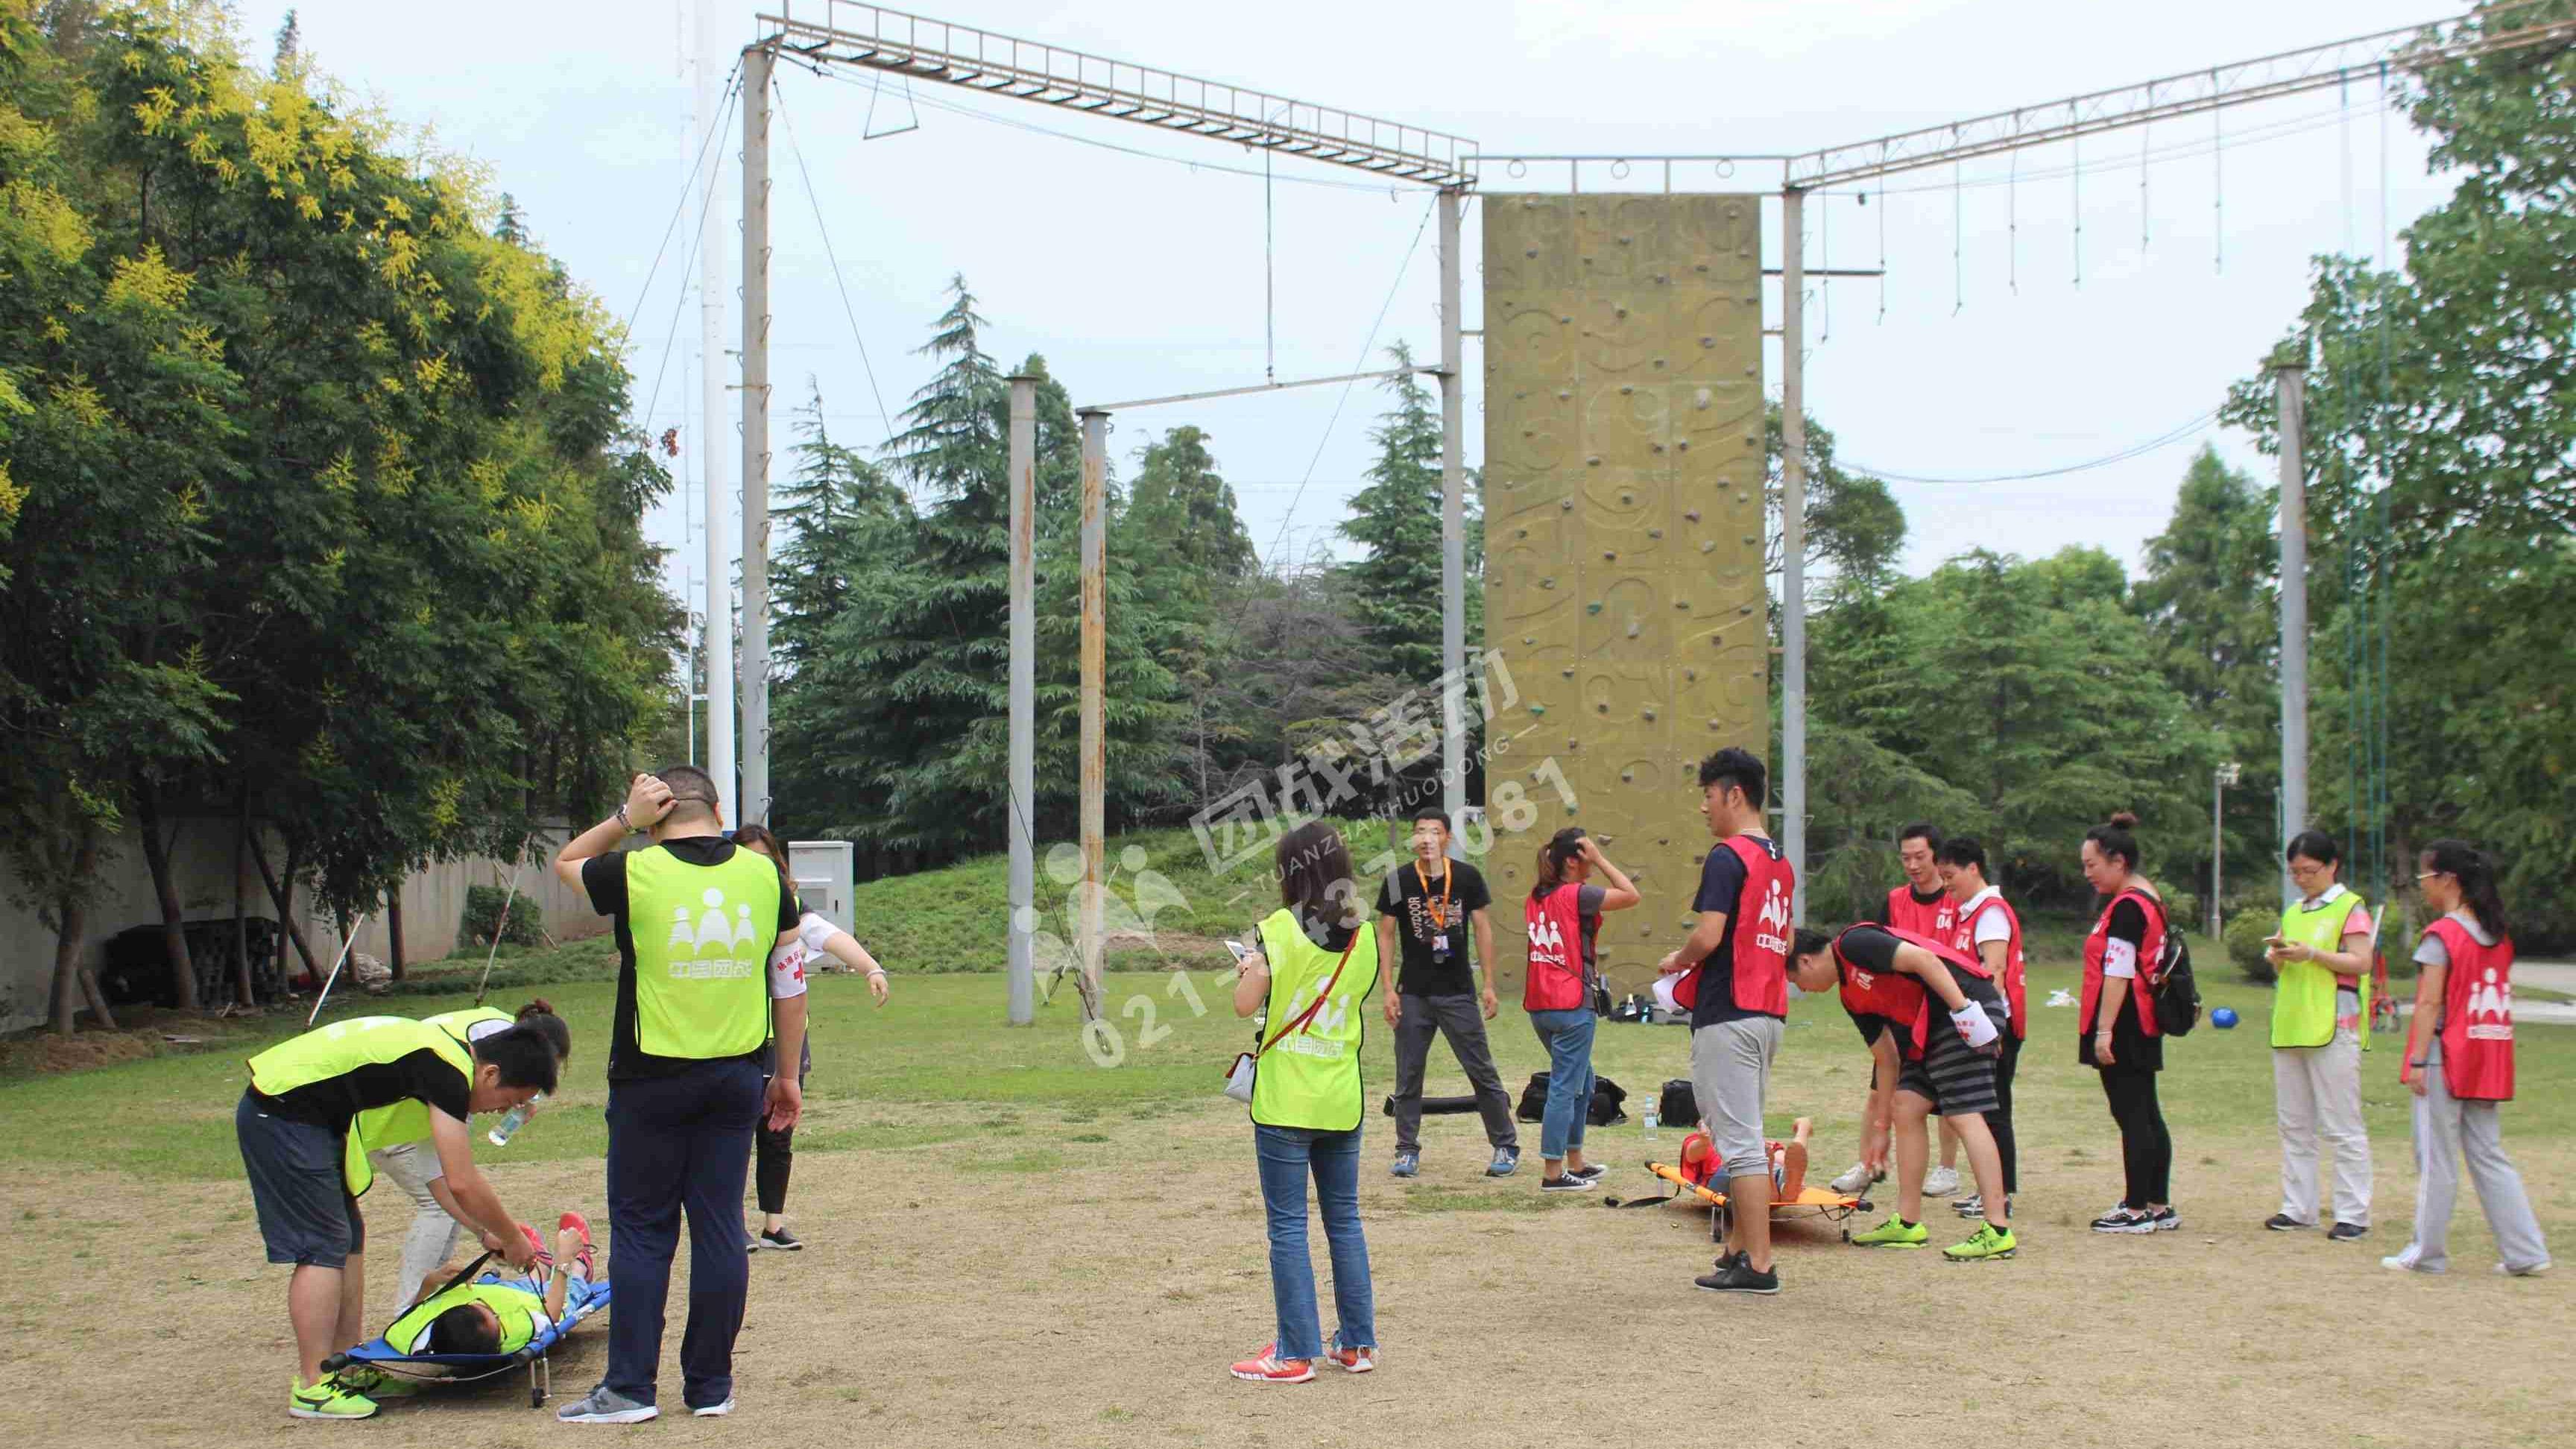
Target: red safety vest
[1899,996]
[1936,919]
[1555,979]
[2014,986]
[2477,1015]
[2150,951]
[1762,932]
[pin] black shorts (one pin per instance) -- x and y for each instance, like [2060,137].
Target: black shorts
[306,1215]
[1956,1079]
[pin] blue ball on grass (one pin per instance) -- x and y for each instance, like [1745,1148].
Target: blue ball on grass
[2224,1018]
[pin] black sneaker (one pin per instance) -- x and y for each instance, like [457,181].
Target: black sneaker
[780,1241]
[2284,1223]
[2124,1220]
[1728,1260]
[2165,1220]
[1739,1277]
[2346,1232]
[1568,1183]
[1589,1172]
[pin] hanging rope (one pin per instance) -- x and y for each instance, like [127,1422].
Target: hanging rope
[2077,146]
[2012,219]
[1958,230]
[2217,180]
[1882,250]
[2143,211]
[1269,281]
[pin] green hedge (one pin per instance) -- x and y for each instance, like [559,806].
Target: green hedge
[483,910]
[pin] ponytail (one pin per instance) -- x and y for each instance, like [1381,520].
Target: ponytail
[766,841]
[539,1016]
[2475,870]
[1561,850]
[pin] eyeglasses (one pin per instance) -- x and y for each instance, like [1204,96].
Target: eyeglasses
[2423,876]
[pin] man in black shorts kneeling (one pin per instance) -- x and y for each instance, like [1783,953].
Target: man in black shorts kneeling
[1888,978]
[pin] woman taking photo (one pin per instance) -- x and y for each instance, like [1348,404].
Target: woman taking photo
[774,1149]
[2459,1061]
[1315,968]
[1563,914]
[2116,1027]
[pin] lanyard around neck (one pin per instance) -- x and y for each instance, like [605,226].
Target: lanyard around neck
[1440,909]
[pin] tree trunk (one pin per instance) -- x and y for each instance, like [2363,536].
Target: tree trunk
[282,895]
[156,854]
[393,932]
[245,992]
[73,982]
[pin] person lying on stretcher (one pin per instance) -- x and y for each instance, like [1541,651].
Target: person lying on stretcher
[501,1318]
[1788,1161]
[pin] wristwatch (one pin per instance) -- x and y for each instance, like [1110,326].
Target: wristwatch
[621,816]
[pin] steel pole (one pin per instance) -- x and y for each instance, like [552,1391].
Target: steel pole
[1024,673]
[1095,641]
[713,414]
[2217,853]
[756,64]
[2294,608]
[1453,521]
[1793,542]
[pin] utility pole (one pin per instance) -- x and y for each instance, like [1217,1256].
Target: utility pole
[1793,542]
[2226,775]
[1024,672]
[712,413]
[1095,651]
[2292,378]
[1453,521]
[756,64]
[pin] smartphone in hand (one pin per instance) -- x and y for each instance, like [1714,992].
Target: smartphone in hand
[1239,949]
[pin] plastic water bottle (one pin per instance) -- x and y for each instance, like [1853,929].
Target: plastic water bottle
[1651,1123]
[514,1119]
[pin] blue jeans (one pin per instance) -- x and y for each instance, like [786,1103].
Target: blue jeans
[1567,1035]
[674,1142]
[1286,1155]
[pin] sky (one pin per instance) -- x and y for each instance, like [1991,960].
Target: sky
[2003,340]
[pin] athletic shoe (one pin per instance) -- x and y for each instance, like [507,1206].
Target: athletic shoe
[1589,1172]
[2124,1220]
[329,1398]
[581,1225]
[2284,1223]
[1941,1182]
[1351,1360]
[2345,1232]
[1858,1179]
[1987,1242]
[750,1244]
[1268,1368]
[2534,1271]
[1739,1278]
[781,1241]
[1896,1232]
[713,1411]
[1507,1160]
[604,1405]
[375,1383]
[2166,1220]
[1971,1206]
[2405,1263]
[1407,1164]
[1567,1183]
[1728,1260]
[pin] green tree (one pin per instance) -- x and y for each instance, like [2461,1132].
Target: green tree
[1395,585]
[1855,527]
[1183,511]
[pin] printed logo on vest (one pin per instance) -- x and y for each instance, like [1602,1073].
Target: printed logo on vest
[1771,923]
[1546,942]
[2491,1009]
[724,938]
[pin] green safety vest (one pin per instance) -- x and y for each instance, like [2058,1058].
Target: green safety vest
[517,1308]
[2303,999]
[1311,1078]
[702,937]
[378,1128]
[346,1046]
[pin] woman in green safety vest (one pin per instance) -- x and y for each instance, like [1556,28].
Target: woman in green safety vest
[2320,1026]
[1316,966]
[496,1314]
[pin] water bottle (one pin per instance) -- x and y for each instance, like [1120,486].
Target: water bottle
[1651,1123]
[514,1119]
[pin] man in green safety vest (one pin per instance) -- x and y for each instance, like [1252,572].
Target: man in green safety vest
[2320,1026]
[697,920]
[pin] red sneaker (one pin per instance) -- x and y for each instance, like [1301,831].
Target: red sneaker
[539,1244]
[581,1225]
[1268,1368]
[1352,1360]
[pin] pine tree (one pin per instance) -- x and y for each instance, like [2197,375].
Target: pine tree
[512,226]
[1396,584]
[1184,513]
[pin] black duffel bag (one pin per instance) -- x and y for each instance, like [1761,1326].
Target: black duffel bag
[1608,1101]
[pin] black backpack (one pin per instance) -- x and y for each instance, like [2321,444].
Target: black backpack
[1606,1109]
[1679,1105]
[2176,995]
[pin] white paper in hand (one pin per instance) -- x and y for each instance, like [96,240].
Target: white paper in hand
[1975,1027]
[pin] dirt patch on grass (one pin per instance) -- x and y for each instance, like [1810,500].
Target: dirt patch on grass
[142,1031]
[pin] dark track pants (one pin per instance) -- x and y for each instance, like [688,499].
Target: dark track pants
[2000,1120]
[673,1143]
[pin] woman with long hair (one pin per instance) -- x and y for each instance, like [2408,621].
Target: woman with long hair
[1315,968]
[1563,914]
[2116,1028]
[774,1148]
[2459,1061]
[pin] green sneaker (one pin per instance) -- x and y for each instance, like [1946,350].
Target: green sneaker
[329,1399]
[1896,1232]
[375,1383]
[1987,1242]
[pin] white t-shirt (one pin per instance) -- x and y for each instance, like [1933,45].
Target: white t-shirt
[1991,926]
[787,963]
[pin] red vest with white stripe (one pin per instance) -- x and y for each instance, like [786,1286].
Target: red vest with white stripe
[2098,946]
[2477,1015]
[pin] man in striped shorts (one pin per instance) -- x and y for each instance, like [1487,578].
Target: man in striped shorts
[1888,977]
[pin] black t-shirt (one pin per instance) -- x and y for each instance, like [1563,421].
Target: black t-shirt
[604,877]
[1415,894]
[333,1101]
[1721,888]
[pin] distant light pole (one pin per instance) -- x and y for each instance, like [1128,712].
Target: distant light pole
[2228,774]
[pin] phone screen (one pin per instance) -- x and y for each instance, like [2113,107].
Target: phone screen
[1239,949]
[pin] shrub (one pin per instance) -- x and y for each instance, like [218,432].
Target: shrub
[483,913]
[2245,932]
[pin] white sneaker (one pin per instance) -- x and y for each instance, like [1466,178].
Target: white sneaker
[1857,1180]
[604,1405]
[1941,1182]
[715,1411]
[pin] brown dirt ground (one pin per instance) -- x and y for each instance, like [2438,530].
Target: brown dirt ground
[1092,1294]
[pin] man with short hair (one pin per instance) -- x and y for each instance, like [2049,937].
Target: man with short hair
[1426,906]
[1989,929]
[1737,989]
[1921,905]
[696,920]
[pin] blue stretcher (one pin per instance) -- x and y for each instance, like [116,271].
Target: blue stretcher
[582,1298]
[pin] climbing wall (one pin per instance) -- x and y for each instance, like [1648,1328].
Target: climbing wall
[1623,534]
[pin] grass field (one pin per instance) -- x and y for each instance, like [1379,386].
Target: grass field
[1013,1241]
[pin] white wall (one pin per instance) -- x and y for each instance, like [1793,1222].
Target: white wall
[433,903]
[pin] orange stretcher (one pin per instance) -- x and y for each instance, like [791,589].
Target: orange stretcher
[1812,1202]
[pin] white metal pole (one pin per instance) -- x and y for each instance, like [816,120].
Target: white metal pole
[756,65]
[713,410]
[1793,541]
[2217,853]
[2294,609]
[1095,757]
[1024,671]
[1453,521]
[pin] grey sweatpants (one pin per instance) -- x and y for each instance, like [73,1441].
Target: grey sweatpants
[1425,1017]
[2448,1131]
[1730,1073]
[434,1235]
[2316,1095]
